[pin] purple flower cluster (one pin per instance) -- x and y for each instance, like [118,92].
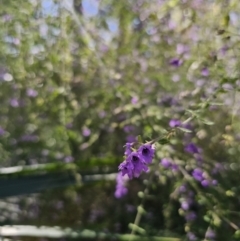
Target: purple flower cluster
[136,161]
[199,175]
[187,203]
[121,189]
[167,163]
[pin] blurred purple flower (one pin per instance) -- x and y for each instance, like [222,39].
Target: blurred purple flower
[7,17]
[191,148]
[165,162]
[210,234]
[175,62]
[190,216]
[129,128]
[68,159]
[69,125]
[134,100]
[191,236]
[14,102]
[102,114]
[214,182]
[32,93]
[185,205]
[217,168]
[181,48]
[2,131]
[168,100]
[197,174]
[86,132]
[205,183]
[121,189]
[174,123]
[174,167]
[146,152]
[131,138]
[182,188]
[205,71]
[198,158]
[29,138]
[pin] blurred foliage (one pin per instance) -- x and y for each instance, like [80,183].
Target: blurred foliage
[80,78]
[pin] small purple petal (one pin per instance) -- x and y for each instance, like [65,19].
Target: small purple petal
[191,236]
[205,183]
[165,162]
[128,149]
[32,93]
[191,148]
[205,72]
[134,100]
[174,123]
[210,234]
[175,62]
[197,174]
[214,182]
[190,216]
[86,132]
[185,205]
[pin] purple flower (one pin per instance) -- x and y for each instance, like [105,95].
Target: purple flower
[126,168]
[86,132]
[185,205]
[146,151]
[134,100]
[191,236]
[131,138]
[14,102]
[69,125]
[214,182]
[175,62]
[218,168]
[174,123]
[121,189]
[165,162]
[205,72]
[190,216]
[191,148]
[133,165]
[32,93]
[174,167]
[210,234]
[2,131]
[138,163]
[182,188]
[198,174]
[128,149]
[205,183]
[68,159]
[128,128]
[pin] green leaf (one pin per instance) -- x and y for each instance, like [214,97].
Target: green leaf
[163,141]
[207,122]
[184,129]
